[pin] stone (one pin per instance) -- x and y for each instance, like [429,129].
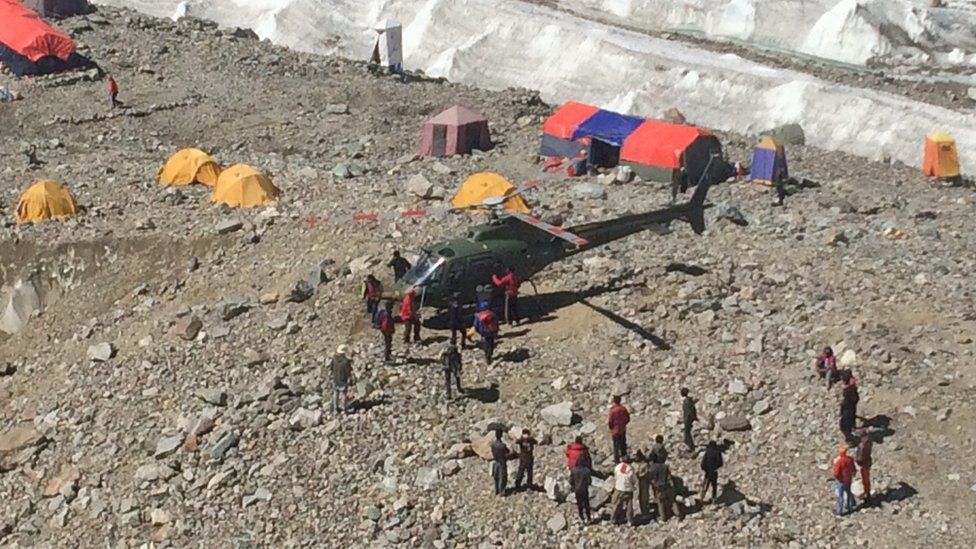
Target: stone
[788,134]
[442,168]
[101,352]
[735,422]
[302,419]
[427,477]
[7,369]
[168,446]
[419,185]
[660,541]
[232,308]
[598,497]
[228,226]
[189,328]
[591,190]
[836,237]
[318,275]
[620,388]
[268,298]
[971,93]
[341,171]
[623,174]
[558,414]
[557,523]
[482,446]
[62,482]
[556,489]
[337,108]
[451,467]
[216,397]
[151,472]
[733,214]
[560,383]
[224,442]
[848,358]
[738,387]
[761,407]
[253,358]
[302,292]
[158,516]
[674,116]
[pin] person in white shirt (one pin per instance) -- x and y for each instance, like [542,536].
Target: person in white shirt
[624,483]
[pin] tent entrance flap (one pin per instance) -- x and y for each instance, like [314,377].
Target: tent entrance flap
[603,154]
[439,145]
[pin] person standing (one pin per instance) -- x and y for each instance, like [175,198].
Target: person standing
[848,410]
[341,380]
[779,183]
[409,316]
[499,464]
[710,464]
[113,91]
[844,475]
[580,478]
[864,461]
[643,484]
[623,491]
[370,291]
[617,421]
[510,282]
[399,265]
[526,451]
[456,321]
[658,451]
[689,415]
[451,361]
[383,320]
[486,325]
[576,451]
[663,484]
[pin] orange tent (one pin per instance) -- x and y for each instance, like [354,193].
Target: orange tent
[941,158]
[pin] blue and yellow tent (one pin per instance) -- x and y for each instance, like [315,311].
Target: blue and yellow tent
[768,162]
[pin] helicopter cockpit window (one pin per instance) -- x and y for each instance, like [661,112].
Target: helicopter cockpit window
[446,252]
[423,271]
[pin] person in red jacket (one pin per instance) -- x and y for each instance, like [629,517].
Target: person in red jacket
[409,316]
[826,366]
[113,91]
[576,451]
[387,327]
[844,475]
[486,324]
[510,283]
[617,423]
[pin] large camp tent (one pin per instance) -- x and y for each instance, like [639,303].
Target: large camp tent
[483,185]
[190,166]
[768,162]
[242,186]
[388,46]
[655,150]
[941,157]
[457,130]
[31,46]
[58,8]
[45,200]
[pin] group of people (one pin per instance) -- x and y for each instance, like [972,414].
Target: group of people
[637,476]
[845,466]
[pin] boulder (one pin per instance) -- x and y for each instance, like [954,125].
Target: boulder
[557,523]
[101,352]
[761,407]
[738,387]
[558,414]
[674,116]
[556,489]
[591,190]
[18,445]
[451,467]
[482,446]
[735,422]
[427,477]
[189,328]
[789,134]
[229,226]
[419,185]
[168,446]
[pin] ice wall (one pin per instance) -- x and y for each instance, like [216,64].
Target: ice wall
[501,43]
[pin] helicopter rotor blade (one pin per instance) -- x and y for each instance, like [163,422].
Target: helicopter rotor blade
[558,232]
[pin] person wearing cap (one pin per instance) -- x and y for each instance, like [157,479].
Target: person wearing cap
[844,475]
[624,482]
[341,379]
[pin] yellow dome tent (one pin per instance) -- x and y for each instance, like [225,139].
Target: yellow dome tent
[44,200]
[941,158]
[484,185]
[243,186]
[190,166]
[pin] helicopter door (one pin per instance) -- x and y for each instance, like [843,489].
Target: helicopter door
[480,270]
[454,275]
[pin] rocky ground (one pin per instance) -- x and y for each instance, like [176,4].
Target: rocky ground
[174,390]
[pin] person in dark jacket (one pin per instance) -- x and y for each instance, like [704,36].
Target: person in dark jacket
[526,451]
[499,464]
[456,320]
[659,450]
[848,411]
[659,475]
[689,415]
[617,421]
[510,283]
[341,379]
[399,265]
[864,461]
[580,478]
[711,462]
[451,362]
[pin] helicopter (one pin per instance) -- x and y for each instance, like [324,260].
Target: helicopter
[463,267]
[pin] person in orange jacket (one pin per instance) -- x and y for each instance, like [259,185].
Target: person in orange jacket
[844,475]
[510,283]
[617,422]
[409,316]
